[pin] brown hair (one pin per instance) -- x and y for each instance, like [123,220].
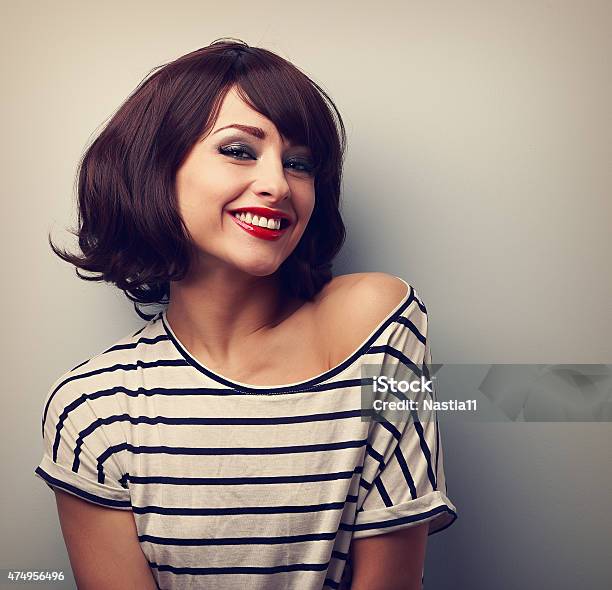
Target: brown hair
[129,228]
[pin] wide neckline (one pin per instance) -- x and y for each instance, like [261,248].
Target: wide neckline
[298,385]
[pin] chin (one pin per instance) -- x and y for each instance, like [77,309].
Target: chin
[260,270]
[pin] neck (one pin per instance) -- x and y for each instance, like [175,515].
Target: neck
[219,313]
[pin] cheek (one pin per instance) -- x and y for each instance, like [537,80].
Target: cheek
[306,207]
[186,193]
[201,196]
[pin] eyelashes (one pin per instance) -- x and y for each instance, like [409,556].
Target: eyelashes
[233,151]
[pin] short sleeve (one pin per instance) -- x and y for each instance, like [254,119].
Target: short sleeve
[403,473]
[78,456]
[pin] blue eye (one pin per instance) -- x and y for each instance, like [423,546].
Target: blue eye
[236,151]
[305,166]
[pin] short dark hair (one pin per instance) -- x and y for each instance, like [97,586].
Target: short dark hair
[129,229]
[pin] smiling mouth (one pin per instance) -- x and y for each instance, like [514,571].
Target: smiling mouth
[259,221]
[266,233]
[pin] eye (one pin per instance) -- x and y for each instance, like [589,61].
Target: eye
[303,166]
[233,150]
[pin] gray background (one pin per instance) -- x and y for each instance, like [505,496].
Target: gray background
[478,169]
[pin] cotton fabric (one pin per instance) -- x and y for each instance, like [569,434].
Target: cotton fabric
[235,486]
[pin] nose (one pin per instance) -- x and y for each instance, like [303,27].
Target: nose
[271,182]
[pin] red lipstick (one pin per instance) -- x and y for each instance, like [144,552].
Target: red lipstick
[265,212]
[257,231]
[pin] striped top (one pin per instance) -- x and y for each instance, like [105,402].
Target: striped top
[241,486]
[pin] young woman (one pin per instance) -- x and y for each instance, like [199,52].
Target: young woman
[224,444]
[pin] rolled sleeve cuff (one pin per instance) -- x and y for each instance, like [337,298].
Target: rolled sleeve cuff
[55,475]
[434,508]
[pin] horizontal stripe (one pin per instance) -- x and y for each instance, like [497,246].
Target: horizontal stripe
[260,480]
[267,540]
[243,509]
[236,450]
[206,571]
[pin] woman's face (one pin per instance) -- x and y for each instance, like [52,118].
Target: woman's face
[231,169]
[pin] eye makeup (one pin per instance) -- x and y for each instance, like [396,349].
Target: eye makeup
[240,151]
[241,136]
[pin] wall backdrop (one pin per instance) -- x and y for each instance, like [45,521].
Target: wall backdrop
[478,169]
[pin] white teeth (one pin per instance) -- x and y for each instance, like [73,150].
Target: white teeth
[259,220]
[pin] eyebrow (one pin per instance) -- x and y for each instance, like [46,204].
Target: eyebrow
[254,131]
[257,132]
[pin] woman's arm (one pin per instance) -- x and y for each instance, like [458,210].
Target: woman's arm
[393,561]
[103,546]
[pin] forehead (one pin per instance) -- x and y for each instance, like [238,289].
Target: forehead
[234,111]
[233,104]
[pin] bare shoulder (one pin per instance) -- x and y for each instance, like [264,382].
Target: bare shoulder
[351,306]
[376,291]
